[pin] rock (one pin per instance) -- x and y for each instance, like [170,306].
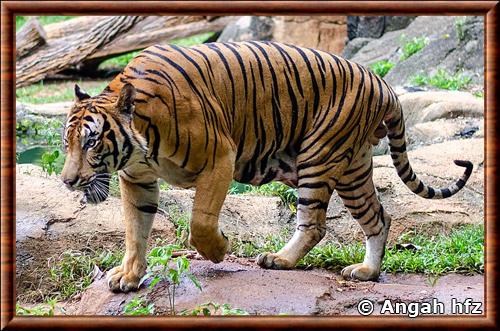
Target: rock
[353,46]
[246,218]
[375,26]
[329,32]
[272,292]
[393,23]
[365,26]
[455,45]
[427,133]
[248,28]
[428,106]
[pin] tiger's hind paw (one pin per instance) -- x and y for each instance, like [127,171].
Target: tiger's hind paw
[273,261]
[359,271]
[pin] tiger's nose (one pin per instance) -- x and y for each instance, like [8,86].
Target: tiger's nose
[70,182]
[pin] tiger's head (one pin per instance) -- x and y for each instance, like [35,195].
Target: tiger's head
[99,138]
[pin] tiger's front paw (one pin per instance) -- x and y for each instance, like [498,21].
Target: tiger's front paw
[211,248]
[122,281]
[360,271]
[273,261]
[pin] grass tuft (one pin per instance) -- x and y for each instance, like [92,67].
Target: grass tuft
[462,251]
[73,271]
[412,46]
[443,80]
[381,68]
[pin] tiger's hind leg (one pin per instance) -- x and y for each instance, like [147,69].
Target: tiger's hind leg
[314,194]
[358,193]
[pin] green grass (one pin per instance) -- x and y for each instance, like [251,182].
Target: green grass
[382,67]
[462,251]
[459,28]
[41,93]
[412,46]
[72,272]
[46,309]
[443,80]
[287,194]
[122,60]
[44,20]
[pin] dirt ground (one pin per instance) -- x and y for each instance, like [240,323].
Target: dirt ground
[244,285]
[49,224]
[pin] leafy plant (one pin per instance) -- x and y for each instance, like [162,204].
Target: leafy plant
[443,79]
[51,162]
[413,46]
[160,269]
[381,68]
[211,309]
[138,307]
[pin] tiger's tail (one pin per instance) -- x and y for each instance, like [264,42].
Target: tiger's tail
[397,143]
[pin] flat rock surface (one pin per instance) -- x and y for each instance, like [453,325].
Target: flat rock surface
[294,292]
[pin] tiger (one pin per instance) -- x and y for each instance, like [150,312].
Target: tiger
[254,112]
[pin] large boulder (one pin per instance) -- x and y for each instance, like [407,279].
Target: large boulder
[375,26]
[455,45]
[329,31]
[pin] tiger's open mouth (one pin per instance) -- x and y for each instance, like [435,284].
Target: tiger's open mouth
[97,189]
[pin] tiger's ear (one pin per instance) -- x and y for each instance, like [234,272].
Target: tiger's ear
[125,103]
[80,94]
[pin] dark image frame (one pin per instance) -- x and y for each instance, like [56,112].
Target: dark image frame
[9,9]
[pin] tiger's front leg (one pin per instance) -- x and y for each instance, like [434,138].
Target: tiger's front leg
[140,202]
[211,190]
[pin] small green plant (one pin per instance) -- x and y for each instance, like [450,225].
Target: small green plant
[160,269]
[51,162]
[381,68]
[181,221]
[114,185]
[479,94]
[138,307]
[413,46]
[46,309]
[211,309]
[443,79]
[459,28]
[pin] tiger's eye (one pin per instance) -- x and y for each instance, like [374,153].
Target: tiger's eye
[91,142]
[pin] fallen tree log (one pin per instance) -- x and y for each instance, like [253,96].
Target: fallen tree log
[154,30]
[62,53]
[67,41]
[29,37]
